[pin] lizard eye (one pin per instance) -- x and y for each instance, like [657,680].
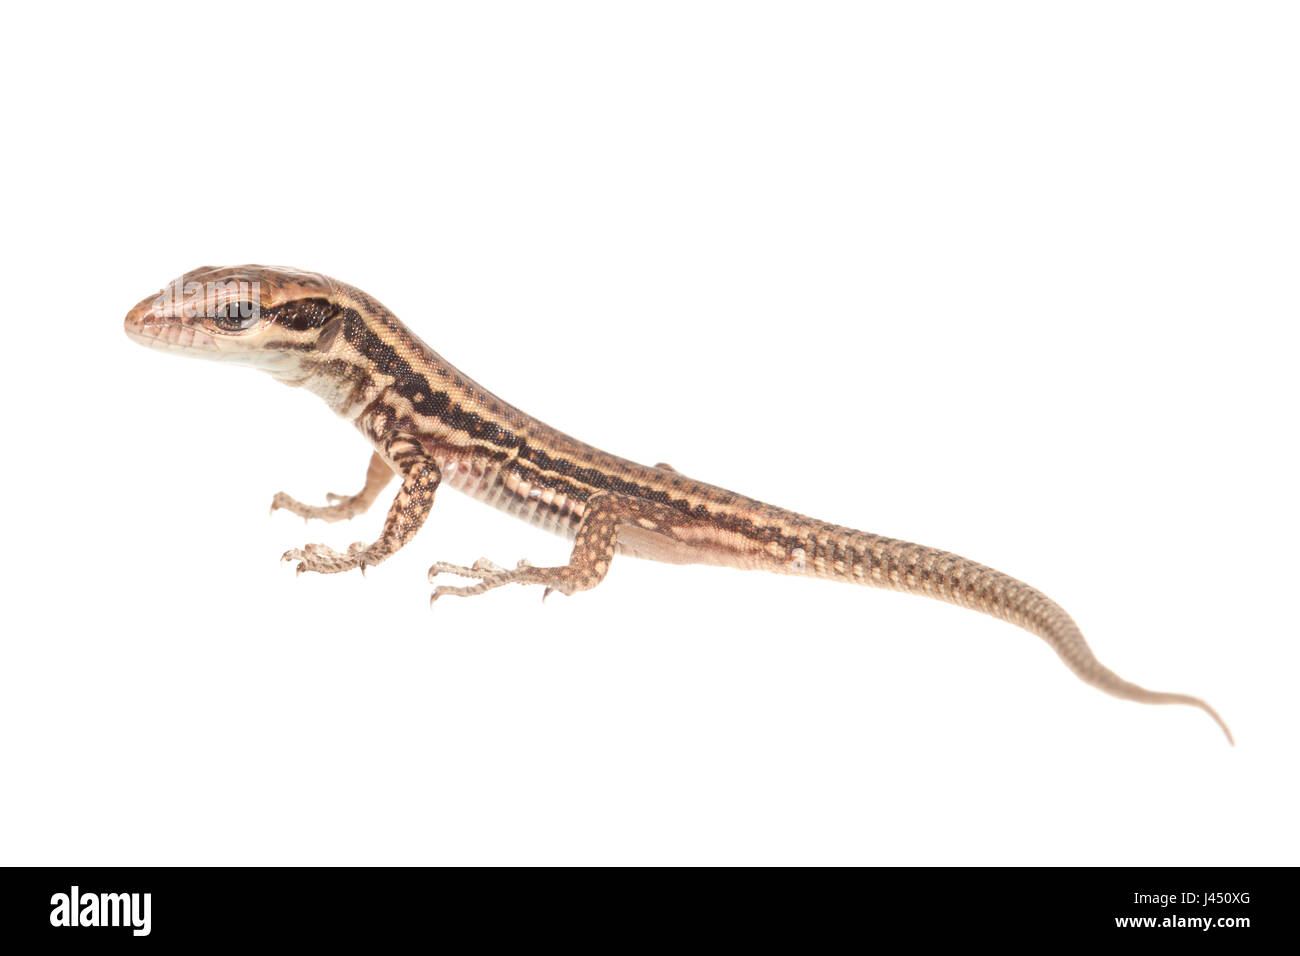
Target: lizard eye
[236,316]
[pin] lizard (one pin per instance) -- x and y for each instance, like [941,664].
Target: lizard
[430,425]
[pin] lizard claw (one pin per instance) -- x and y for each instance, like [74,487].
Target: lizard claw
[444,567]
[295,554]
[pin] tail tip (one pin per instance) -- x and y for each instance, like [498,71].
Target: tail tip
[1218,720]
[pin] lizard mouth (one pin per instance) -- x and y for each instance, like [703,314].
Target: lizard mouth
[144,325]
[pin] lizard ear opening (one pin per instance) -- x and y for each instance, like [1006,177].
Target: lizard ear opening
[329,332]
[303,315]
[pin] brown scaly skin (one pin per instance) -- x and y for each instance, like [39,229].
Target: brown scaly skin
[430,425]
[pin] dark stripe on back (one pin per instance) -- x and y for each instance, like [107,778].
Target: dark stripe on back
[435,403]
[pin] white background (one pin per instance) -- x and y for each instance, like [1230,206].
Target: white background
[1015,280]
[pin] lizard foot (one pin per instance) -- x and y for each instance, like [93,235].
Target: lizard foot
[325,560]
[340,507]
[491,576]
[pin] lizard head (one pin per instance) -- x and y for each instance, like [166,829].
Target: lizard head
[262,316]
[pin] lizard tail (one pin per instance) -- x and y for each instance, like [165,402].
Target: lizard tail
[843,554]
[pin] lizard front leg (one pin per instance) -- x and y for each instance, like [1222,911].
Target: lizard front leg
[593,550]
[342,507]
[420,479]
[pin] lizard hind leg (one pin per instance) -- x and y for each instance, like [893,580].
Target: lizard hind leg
[593,550]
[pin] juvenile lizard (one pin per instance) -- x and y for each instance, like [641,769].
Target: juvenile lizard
[430,425]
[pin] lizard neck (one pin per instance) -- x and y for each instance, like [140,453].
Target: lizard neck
[344,385]
[346,378]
